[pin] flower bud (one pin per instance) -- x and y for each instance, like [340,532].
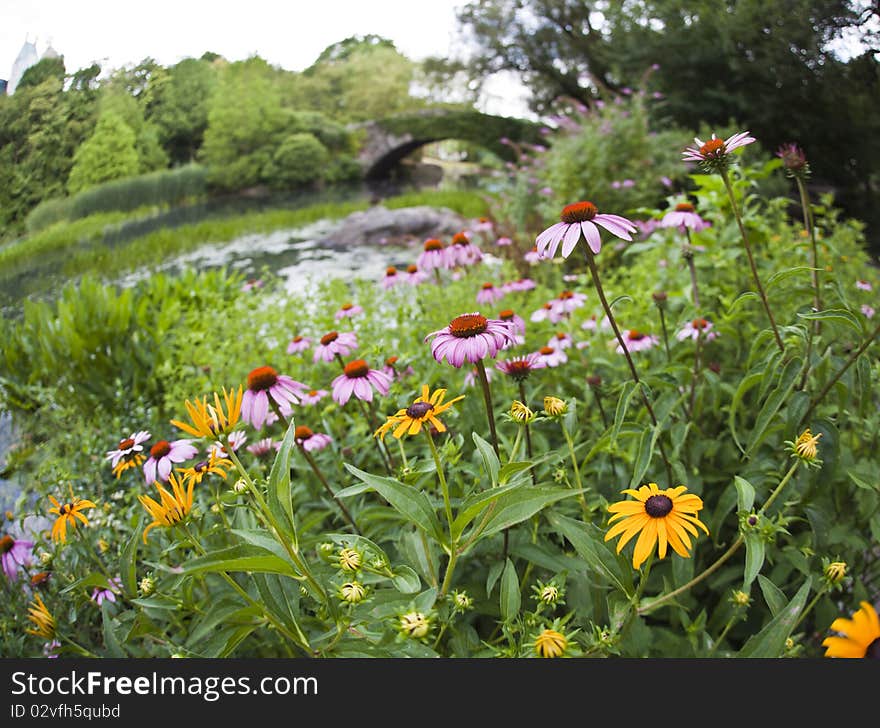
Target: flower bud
[550,643]
[835,571]
[740,598]
[414,624]
[240,486]
[147,586]
[461,601]
[349,560]
[352,592]
[554,407]
[594,380]
[521,413]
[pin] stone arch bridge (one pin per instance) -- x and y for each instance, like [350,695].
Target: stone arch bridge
[385,142]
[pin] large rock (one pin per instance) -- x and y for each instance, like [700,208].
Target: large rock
[379,225]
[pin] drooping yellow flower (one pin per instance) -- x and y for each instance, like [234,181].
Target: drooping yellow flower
[521,413]
[550,643]
[662,517]
[861,635]
[42,619]
[805,446]
[214,465]
[173,508]
[68,513]
[212,420]
[132,460]
[554,407]
[424,409]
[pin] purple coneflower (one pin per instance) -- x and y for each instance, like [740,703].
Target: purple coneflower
[433,255]
[14,553]
[163,455]
[109,593]
[391,278]
[581,218]
[518,326]
[252,284]
[359,380]
[347,310]
[462,251]
[483,224]
[551,357]
[560,340]
[520,284]
[470,337]
[473,377]
[636,341]
[335,343]
[592,323]
[567,301]
[863,285]
[684,217]
[298,344]
[503,241]
[128,448]
[262,448]
[313,396]
[262,383]
[532,256]
[867,310]
[414,276]
[714,153]
[311,441]
[693,330]
[547,312]
[488,293]
[518,368]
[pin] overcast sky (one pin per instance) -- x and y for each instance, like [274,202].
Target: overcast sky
[290,33]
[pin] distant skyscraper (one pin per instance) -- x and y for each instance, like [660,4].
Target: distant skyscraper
[27,57]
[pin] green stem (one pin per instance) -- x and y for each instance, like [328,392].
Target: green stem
[840,372]
[665,333]
[689,257]
[727,554]
[814,264]
[696,374]
[447,506]
[809,607]
[594,272]
[317,471]
[76,645]
[577,472]
[742,232]
[487,398]
[525,427]
[727,627]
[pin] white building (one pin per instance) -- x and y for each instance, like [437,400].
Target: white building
[27,57]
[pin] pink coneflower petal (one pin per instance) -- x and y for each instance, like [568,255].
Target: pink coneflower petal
[259,409]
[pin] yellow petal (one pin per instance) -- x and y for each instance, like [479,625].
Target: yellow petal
[645,543]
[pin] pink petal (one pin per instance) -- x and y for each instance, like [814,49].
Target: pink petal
[591,233]
[572,235]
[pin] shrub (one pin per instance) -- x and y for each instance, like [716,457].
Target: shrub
[300,160]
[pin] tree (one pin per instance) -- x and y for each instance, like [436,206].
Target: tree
[299,160]
[107,155]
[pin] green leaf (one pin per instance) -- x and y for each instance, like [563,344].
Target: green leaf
[280,596]
[774,401]
[511,598]
[279,500]
[840,315]
[517,505]
[490,459]
[784,275]
[510,469]
[111,641]
[226,611]
[754,559]
[745,493]
[492,577]
[586,540]
[128,561]
[239,558]
[626,393]
[645,451]
[569,419]
[740,299]
[263,540]
[747,383]
[773,595]
[406,580]
[770,641]
[412,504]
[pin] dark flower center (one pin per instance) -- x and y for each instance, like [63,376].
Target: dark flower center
[561,336]
[484,219]
[460,239]
[313,393]
[347,306]
[506,315]
[712,148]
[658,506]
[635,335]
[125,444]
[547,306]
[699,323]
[297,339]
[412,268]
[519,368]
[40,578]
[391,361]
[684,207]
[594,380]
[357,368]
[467,325]
[546,350]
[201,467]
[417,410]
[329,338]
[487,286]
[391,271]
[160,449]
[65,509]
[261,379]
[433,244]
[6,544]
[578,212]
[873,649]
[565,295]
[302,432]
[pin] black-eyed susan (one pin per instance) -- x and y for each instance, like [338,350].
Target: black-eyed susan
[425,408]
[215,465]
[173,508]
[662,517]
[860,635]
[41,618]
[805,448]
[67,514]
[212,420]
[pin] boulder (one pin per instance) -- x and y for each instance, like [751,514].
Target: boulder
[379,225]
